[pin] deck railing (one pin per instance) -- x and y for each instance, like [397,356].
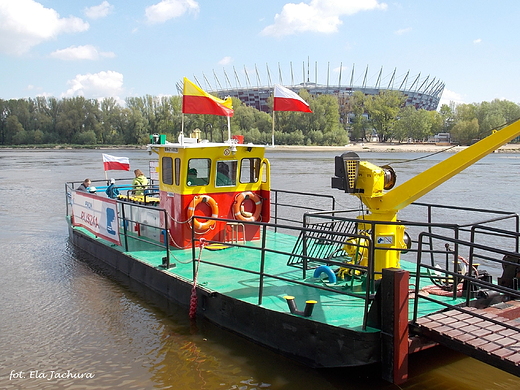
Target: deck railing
[265,250]
[467,279]
[133,228]
[289,206]
[435,250]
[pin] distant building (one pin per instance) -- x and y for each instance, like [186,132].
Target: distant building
[420,92]
[442,139]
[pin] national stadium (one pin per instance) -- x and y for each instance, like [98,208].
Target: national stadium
[254,86]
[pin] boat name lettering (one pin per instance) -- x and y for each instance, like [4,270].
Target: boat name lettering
[90,219]
[172,150]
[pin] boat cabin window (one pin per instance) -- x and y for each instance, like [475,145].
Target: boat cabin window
[265,170]
[198,172]
[167,170]
[249,170]
[177,171]
[226,173]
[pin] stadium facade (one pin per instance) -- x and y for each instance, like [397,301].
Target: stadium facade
[421,92]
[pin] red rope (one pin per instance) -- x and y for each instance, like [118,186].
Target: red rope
[193,299]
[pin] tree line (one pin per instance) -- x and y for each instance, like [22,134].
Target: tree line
[334,121]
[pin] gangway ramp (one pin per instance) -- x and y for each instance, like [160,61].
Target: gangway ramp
[491,335]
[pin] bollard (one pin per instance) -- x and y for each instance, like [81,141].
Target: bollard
[309,306]
[394,325]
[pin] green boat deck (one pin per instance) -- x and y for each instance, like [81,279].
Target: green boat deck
[236,272]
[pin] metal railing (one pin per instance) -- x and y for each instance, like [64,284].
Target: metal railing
[289,206]
[125,210]
[264,250]
[430,244]
[467,279]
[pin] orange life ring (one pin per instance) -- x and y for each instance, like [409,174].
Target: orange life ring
[238,207]
[198,225]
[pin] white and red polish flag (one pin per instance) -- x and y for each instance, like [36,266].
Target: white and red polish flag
[287,100]
[112,163]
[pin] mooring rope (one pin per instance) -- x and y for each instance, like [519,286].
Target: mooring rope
[193,299]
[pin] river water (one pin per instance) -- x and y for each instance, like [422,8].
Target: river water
[65,324]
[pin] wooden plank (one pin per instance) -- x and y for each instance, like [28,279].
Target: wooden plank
[490,342]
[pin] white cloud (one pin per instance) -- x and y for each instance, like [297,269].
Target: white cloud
[450,96]
[96,86]
[86,52]
[169,9]
[98,11]
[225,61]
[321,16]
[340,69]
[27,23]
[477,41]
[402,31]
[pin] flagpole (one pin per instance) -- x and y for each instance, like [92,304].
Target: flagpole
[181,135]
[229,128]
[106,177]
[272,137]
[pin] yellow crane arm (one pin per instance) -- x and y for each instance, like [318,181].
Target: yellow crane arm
[408,192]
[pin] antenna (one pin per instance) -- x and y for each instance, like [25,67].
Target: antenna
[216,79]
[209,85]
[416,79]
[236,77]
[328,74]
[247,77]
[258,82]
[365,78]
[340,70]
[198,82]
[425,80]
[391,82]
[227,78]
[404,80]
[378,82]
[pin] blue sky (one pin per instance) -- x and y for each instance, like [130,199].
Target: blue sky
[122,48]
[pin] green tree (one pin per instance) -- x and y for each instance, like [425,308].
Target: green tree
[465,112]
[494,114]
[4,114]
[436,122]
[383,110]
[447,113]
[414,124]
[465,131]
[78,115]
[50,120]
[15,133]
[109,111]
[326,119]
[359,120]
[38,137]
[134,125]
[85,138]
[244,117]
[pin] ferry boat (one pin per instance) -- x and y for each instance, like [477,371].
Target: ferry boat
[288,270]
